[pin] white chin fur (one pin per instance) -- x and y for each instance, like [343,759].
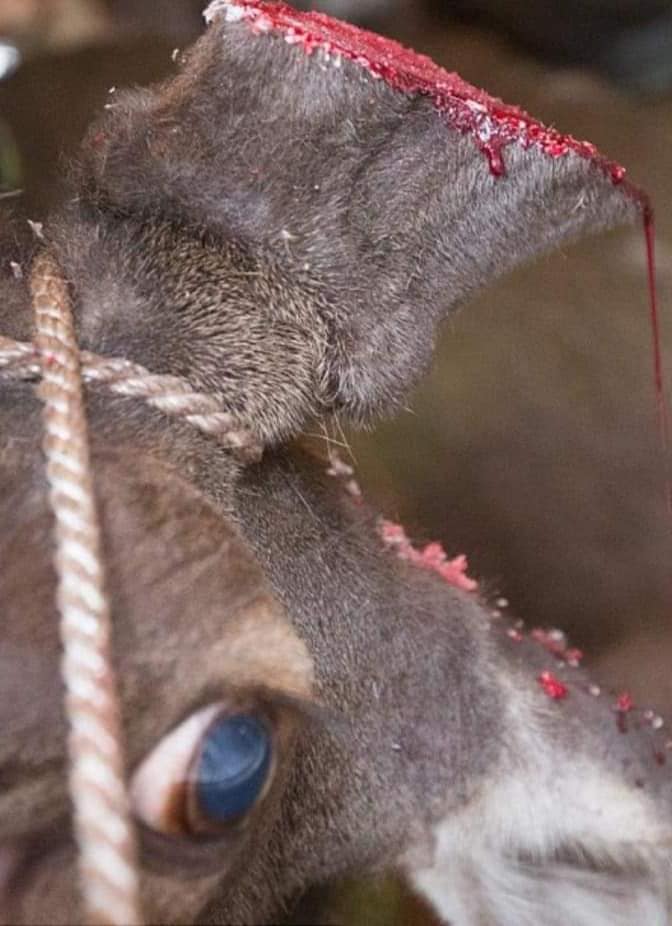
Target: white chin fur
[552,837]
[487,889]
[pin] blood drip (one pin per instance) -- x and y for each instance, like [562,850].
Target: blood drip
[624,706]
[661,401]
[624,702]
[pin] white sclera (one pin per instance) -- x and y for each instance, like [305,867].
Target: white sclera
[166,767]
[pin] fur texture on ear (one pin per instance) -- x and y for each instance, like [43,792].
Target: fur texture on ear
[385,188]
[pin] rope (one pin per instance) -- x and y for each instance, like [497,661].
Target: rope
[102,819]
[171,395]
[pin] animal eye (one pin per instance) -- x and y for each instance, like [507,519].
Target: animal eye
[206,775]
[231,770]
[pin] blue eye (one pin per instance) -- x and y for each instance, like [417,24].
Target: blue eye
[232,767]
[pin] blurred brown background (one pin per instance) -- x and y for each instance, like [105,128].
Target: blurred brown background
[532,445]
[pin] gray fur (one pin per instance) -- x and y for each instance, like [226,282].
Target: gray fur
[418,683]
[363,203]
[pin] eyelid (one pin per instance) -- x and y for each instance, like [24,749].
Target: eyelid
[306,711]
[303,710]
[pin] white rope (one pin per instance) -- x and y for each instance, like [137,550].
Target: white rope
[102,820]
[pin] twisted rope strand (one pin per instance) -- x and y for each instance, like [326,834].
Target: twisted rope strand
[102,821]
[171,395]
[18,360]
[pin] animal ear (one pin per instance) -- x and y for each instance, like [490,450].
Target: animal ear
[387,188]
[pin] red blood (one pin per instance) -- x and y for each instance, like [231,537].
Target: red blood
[650,235]
[618,173]
[433,557]
[624,705]
[661,403]
[624,702]
[552,686]
[392,533]
[494,125]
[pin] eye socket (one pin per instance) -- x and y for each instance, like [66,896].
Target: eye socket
[206,775]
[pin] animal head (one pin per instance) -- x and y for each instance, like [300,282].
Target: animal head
[287,231]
